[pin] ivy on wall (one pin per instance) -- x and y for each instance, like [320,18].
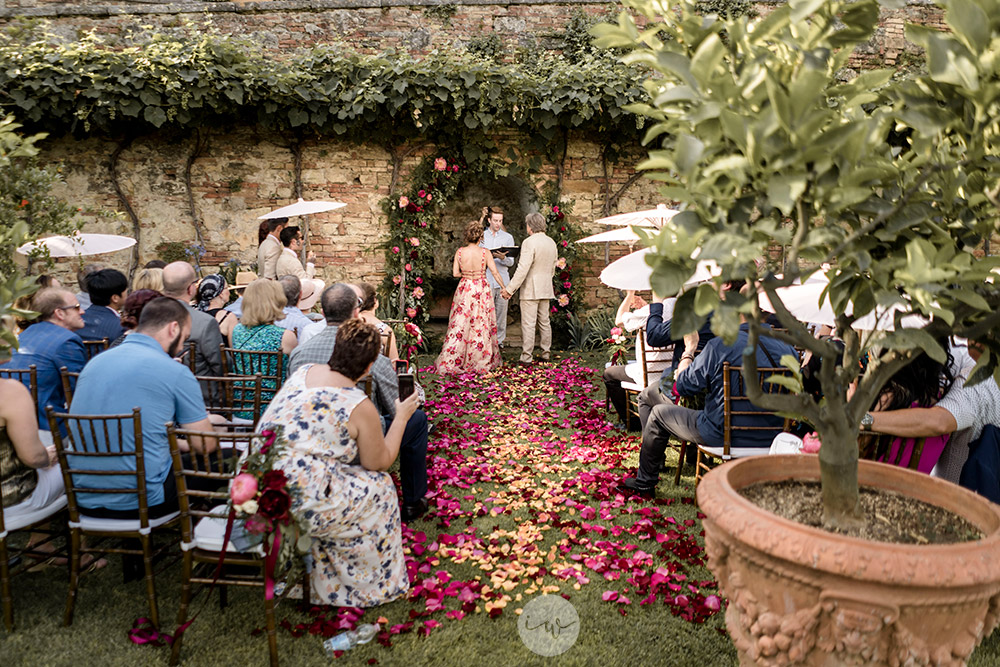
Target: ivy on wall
[185,81]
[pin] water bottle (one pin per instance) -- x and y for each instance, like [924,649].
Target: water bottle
[351,638]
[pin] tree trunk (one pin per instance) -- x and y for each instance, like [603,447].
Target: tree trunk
[838,466]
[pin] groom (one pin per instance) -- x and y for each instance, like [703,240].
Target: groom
[535,269]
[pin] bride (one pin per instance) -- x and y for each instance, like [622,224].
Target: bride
[471,343]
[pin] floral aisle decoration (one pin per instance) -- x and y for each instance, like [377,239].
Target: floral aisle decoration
[566,279]
[618,346]
[410,339]
[412,217]
[262,499]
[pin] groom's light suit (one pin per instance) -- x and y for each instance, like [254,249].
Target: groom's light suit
[535,269]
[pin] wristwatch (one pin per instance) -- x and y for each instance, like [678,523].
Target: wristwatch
[867,421]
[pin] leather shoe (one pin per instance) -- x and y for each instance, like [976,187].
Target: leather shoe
[413,512]
[632,485]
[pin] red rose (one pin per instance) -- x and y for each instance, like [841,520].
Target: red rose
[274,505]
[412,208]
[414,254]
[273,479]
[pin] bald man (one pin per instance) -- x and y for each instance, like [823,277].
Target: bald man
[181,282]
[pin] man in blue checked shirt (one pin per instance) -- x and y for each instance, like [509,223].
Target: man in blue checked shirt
[49,344]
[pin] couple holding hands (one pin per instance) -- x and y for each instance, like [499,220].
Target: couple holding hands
[478,319]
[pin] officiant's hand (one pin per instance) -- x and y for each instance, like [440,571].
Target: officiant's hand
[499,255]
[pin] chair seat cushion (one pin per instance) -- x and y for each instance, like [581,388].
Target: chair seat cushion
[736,452]
[19,520]
[633,387]
[120,525]
[210,532]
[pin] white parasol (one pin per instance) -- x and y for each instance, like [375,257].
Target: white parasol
[78,244]
[809,303]
[631,272]
[302,207]
[612,235]
[653,217]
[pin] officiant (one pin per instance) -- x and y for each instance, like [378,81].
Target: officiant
[494,236]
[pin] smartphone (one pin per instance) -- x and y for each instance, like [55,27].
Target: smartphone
[402,366]
[405,385]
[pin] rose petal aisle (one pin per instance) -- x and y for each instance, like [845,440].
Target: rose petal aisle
[523,467]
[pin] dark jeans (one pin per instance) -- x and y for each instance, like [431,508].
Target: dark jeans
[665,421]
[413,458]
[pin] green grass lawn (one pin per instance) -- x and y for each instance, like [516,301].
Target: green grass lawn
[521,469]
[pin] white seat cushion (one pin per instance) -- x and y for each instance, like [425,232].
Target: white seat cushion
[120,525]
[14,520]
[210,532]
[632,386]
[736,452]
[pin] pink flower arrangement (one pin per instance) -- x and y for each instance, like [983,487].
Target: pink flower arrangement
[423,224]
[411,312]
[395,249]
[567,285]
[414,241]
[561,263]
[440,164]
[244,488]
[616,331]
[418,293]
[454,168]
[404,201]
[563,300]
[418,280]
[564,244]
[421,193]
[811,443]
[408,267]
[429,196]
[397,279]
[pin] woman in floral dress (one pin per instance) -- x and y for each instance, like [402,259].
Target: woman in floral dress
[470,346]
[337,458]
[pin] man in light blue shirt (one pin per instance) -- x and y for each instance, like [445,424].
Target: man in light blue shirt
[141,372]
[496,237]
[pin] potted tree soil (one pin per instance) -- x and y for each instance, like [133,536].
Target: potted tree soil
[770,141]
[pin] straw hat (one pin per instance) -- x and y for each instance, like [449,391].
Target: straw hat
[311,290]
[243,278]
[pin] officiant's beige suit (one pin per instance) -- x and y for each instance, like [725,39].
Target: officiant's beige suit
[535,268]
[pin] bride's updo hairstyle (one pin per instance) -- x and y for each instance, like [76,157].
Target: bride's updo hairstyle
[358,344]
[473,232]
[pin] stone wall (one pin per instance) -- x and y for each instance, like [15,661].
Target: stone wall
[242,174]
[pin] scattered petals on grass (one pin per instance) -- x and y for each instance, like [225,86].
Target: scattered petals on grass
[523,471]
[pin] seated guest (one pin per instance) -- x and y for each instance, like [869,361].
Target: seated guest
[132,311]
[180,282]
[338,458]
[263,305]
[148,279]
[369,305]
[212,297]
[29,471]
[695,375]
[154,264]
[658,334]
[24,302]
[107,289]
[340,304]
[51,344]
[141,372]
[82,297]
[632,315]
[963,412]
[294,319]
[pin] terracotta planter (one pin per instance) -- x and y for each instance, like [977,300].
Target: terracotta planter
[803,596]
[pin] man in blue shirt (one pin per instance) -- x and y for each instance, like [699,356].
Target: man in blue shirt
[49,344]
[141,372]
[694,375]
[108,289]
[294,319]
[495,237]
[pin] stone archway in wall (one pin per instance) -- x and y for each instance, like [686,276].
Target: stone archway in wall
[512,193]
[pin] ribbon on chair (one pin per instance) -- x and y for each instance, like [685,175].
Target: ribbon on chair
[144,632]
[270,561]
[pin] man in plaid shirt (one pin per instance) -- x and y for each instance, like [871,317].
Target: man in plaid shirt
[341,302]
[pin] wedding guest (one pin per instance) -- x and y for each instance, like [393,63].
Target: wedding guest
[295,302]
[263,305]
[337,458]
[369,304]
[340,304]
[154,264]
[108,289]
[288,262]
[132,311]
[50,344]
[81,280]
[148,278]
[24,303]
[470,344]
[29,471]
[180,282]
[211,298]
[495,236]
[270,248]
[535,268]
